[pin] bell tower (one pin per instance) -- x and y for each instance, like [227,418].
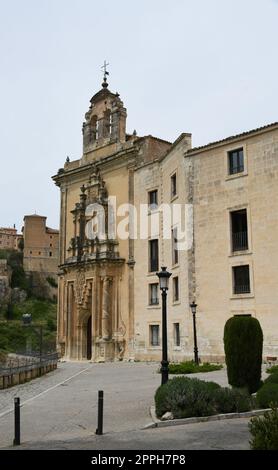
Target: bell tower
[105,121]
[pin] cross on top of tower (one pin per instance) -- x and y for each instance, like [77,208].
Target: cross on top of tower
[105,73]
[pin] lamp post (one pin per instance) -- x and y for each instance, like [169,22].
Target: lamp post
[163,277]
[27,321]
[193,307]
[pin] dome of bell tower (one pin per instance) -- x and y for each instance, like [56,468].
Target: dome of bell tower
[105,121]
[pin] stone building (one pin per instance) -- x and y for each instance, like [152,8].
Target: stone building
[233,184]
[40,254]
[232,266]
[109,300]
[9,238]
[96,280]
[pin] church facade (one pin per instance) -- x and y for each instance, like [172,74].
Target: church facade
[109,305]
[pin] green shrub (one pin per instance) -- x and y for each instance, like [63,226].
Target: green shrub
[160,398]
[272,379]
[4,254]
[267,395]
[272,369]
[190,367]
[3,356]
[229,400]
[185,397]
[243,342]
[51,324]
[212,386]
[264,431]
[12,336]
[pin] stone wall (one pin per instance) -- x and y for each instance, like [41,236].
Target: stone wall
[19,369]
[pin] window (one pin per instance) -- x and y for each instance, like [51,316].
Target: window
[50,245]
[175,251]
[39,253]
[50,236]
[94,128]
[173,185]
[154,335]
[50,253]
[153,294]
[107,123]
[236,163]
[241,279]
[31,252]
[239,230]
[177,338]
[153,255]
[175,289]
[153,200]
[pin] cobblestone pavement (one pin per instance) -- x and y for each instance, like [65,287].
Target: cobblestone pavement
[60,410]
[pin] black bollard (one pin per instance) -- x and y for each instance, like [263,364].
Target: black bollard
[16,421]
[99,430]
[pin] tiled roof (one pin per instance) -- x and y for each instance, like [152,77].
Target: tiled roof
[154,138]
[35,215]
[233,137]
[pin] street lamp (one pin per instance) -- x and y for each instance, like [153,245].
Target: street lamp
[27,321]
[163,277]
[193,307]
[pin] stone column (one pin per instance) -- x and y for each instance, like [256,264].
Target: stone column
[105,319]
[61,313]
[63,225]
[68,326]
[78,340]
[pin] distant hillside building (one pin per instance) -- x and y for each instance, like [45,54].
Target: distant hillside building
[9,238]
[41,244]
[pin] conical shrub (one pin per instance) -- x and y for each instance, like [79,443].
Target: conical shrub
[243,343]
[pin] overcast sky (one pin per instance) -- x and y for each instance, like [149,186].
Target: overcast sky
[203,66]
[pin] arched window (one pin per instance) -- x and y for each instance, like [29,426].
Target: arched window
[94,129]
[107,123]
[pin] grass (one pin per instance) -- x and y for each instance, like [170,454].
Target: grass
[190,367]
[272,370]
[13,335]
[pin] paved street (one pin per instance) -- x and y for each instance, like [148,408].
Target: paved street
[230,434]
[60,411]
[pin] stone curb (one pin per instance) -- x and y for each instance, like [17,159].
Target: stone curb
[157,423]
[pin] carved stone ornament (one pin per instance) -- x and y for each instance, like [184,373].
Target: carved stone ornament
[80,285]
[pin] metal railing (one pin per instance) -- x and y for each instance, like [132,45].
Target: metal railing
[242,289]
[25,363]
[240,241]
